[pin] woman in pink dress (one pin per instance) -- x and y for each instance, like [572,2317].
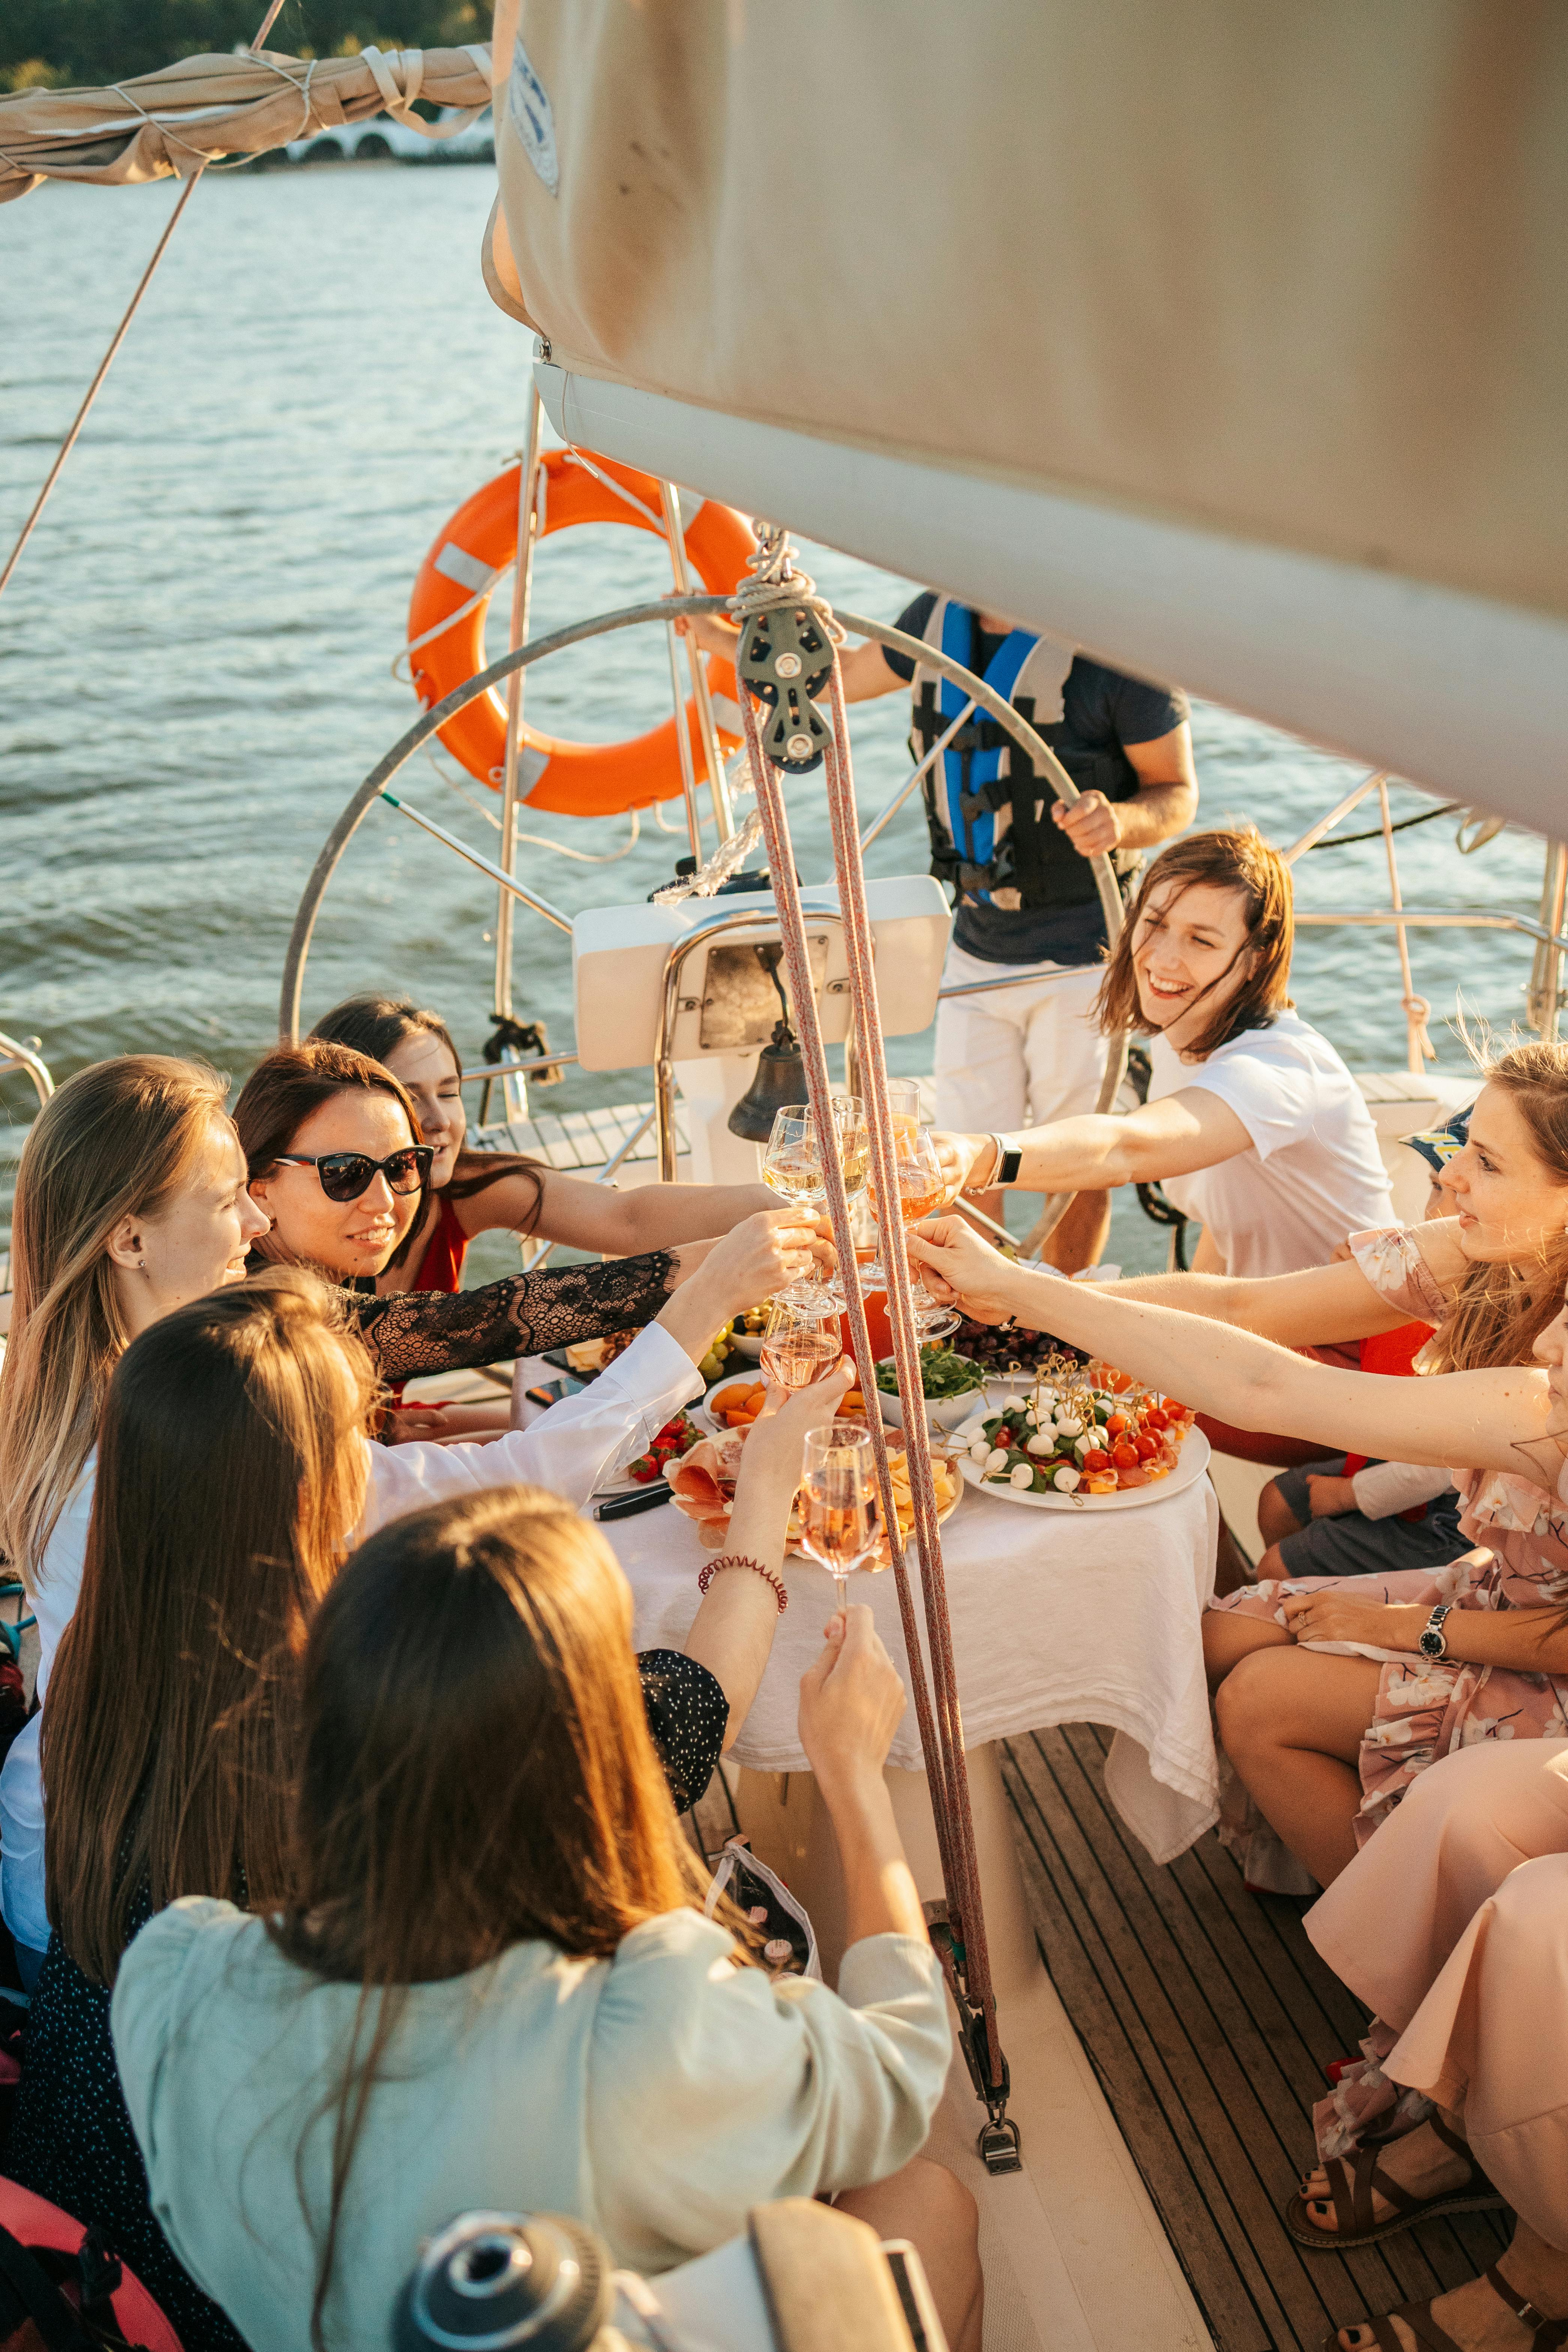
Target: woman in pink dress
[1450,1926]
[1328,1704]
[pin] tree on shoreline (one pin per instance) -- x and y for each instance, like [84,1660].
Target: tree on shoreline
[94,42]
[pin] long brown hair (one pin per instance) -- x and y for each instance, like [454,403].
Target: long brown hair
[120,1139]
[1231,858]
[228,1482]
[477,1773]
[1499,1311]
[377,1025]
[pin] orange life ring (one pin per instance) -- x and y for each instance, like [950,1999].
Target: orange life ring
[576,779]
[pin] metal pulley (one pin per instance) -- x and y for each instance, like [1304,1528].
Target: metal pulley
[786,658]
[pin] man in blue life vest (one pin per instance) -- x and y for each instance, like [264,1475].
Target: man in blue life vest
[1018,861]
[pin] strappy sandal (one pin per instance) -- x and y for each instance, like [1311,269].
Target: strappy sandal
[1351,2187]
[1549,2335]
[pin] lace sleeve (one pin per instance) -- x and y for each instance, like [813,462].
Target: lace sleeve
[416,1332]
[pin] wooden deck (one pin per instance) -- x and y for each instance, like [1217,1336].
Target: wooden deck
[1208,2019]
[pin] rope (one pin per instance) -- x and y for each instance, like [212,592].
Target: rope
[774,583]
[107,362]
[1378,832]
[1420,1050]
[539,840]
[575,456]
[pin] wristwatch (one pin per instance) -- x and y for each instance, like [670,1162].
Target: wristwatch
[1431,1644]
[1005,1169]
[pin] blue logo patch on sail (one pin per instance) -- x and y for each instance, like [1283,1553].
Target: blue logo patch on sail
[533,118]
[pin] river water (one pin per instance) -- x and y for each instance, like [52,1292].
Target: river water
[195,653]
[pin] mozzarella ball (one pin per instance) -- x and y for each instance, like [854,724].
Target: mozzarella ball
[1021,1476]
[1064,1481]
[1069,1424]
[981,1449]
[1045,1442]
[996,1459]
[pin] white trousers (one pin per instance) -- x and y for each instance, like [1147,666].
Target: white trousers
[1016,1057]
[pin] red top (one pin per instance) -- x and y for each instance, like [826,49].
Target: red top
[441,1268]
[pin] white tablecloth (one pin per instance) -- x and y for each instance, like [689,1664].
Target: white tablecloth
[1057,1617]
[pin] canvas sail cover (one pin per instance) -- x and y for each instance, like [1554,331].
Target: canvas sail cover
[178,119]
[1297,273]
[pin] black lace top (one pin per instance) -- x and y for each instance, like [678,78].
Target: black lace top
[72,2139]
[413,1333]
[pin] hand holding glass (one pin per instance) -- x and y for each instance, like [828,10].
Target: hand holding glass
[841,1519]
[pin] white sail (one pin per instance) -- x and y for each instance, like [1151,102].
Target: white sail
[1228,343]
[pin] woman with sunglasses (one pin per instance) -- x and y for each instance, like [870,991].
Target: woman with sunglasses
[131,1200]
[473,1192]
[333,1145]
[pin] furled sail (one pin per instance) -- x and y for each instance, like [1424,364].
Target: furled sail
[178,119]
[1229,340]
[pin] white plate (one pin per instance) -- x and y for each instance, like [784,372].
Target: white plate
[621,1484]
[1192,1462]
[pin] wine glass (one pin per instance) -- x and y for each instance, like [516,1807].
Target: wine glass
[799,1343]
[791,1166]
[921,1190]
[841,1519]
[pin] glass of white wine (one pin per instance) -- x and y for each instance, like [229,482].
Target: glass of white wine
[792,1167]
[841,1519]
[799,1343]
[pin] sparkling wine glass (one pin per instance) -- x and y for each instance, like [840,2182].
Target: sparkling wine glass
[792,1167]
[799,1343]
[921,1190]
[841,1519]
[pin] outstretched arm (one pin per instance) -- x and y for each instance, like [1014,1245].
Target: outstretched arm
[1485,1420]
[1172,1136]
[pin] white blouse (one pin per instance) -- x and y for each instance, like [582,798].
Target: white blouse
[658,2096]
[569,1449]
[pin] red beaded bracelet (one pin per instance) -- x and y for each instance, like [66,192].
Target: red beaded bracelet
[741,1559]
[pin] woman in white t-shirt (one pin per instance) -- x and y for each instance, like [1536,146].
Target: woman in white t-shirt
[1253,1124]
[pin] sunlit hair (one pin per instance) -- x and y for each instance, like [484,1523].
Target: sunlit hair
[1232,857]
[477,1773]
[121,1139]
[377,1027]
[229,1480]
[1499,1311]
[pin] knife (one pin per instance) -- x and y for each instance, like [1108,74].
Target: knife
[627,1507]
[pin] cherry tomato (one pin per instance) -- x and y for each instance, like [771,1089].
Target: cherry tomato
[1124,1455]
[1145,1448]
[1117,1423]
[1096,1459]
[1156,1419]
[1178,1411]
[1119,1381]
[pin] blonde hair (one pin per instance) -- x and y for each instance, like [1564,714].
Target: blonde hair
[1499,1311]
[117,1140]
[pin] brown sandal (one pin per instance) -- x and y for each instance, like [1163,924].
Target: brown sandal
[1550,2334]
[1351,2186]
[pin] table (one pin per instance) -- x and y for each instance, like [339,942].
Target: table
[1057,1617]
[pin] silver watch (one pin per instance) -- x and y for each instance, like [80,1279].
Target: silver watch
[1431,1644]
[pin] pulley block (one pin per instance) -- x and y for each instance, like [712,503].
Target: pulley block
[784,659]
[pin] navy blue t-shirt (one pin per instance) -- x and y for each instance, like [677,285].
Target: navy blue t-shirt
[1102,711]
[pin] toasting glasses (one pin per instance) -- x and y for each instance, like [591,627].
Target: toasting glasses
[792,1167]
[841,1520]
[921,1190]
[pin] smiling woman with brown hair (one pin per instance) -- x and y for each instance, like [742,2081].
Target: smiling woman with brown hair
[1253,1125]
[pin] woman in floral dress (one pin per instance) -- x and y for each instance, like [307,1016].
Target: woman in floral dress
[1327,1707]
